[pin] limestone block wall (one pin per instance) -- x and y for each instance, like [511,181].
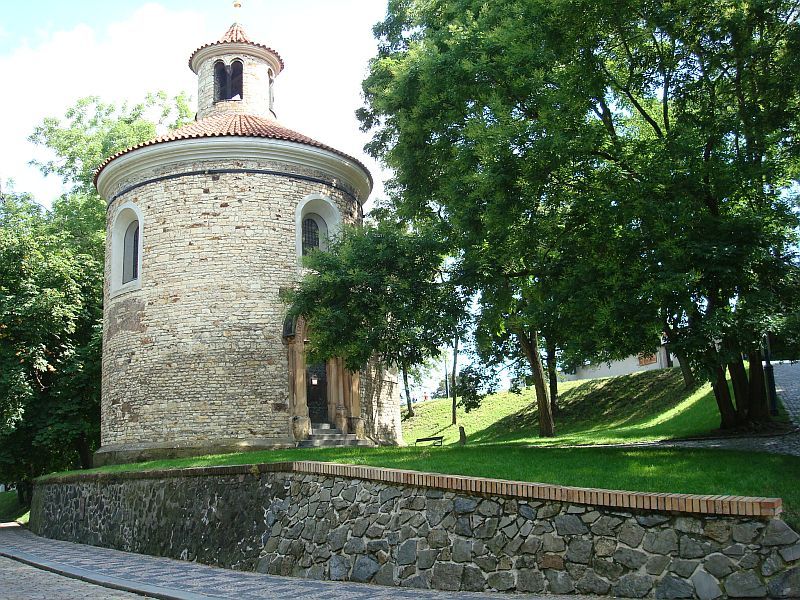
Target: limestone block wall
[401,528]
[196,354]
[380,404]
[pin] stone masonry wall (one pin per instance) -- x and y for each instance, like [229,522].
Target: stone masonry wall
[380,404]
[196,354]
[324,526]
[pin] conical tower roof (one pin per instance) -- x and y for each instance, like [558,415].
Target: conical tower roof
[235,35]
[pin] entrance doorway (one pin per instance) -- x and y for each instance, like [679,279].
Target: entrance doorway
[317,393]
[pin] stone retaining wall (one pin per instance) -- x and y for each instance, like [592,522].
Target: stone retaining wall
[341,522]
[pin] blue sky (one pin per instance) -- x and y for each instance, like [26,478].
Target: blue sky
[59,51]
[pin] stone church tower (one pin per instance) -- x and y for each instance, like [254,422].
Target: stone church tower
[206,226]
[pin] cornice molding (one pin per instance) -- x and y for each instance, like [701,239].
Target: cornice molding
[140,163]
[240,48]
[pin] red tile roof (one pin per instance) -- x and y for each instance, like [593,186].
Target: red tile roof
[236,35]
[233,125]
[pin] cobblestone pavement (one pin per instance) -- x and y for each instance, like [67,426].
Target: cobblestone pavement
[787,382]
[19,581]
[167,578]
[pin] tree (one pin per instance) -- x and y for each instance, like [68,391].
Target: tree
[95,130]
[51,292]
[42,309]
[377,291]
[474,383]
[605,172]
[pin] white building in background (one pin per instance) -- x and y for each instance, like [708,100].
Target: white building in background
[632,364]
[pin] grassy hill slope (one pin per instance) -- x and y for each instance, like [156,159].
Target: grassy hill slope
[646,406]
[10,510]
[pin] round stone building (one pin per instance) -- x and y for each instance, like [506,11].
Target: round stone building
[206,226]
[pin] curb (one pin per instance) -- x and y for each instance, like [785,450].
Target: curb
[106,581]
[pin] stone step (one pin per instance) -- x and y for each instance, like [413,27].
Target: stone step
[322,426]
[332,443]
[331,431]
[333,436]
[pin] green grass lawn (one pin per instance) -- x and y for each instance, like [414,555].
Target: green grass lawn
[10,510]
[647,406]
[646,469]
[503,443]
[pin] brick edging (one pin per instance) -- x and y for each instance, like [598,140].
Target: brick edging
[682,503]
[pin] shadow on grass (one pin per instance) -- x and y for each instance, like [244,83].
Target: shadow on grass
[10,509]
[644,405]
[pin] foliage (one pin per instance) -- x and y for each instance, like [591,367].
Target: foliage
[95,130]
[47,311]
[377,291]
[605,172]
[474,382]
[51,291]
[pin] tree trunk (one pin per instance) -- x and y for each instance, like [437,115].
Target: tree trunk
[84,452]
[553,377]
[723,397]
[759,403]
[408,393]
[530,345]
[686,370]
[24,492]
[741,389]
[453,380]
[446,378]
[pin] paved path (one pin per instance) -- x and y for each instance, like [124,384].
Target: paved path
[170,579]
[787,382]
[19,581]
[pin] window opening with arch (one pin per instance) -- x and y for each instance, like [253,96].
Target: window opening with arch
[130,253]
[228,81]
[317,220]
[126,250]
[311,228]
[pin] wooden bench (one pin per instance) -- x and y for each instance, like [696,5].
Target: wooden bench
[436,439]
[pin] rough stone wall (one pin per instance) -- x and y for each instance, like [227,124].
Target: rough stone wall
[340,528]
[196,354]
[255,88]
[380,404]
[213,520]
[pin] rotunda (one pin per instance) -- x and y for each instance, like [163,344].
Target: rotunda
[206,226]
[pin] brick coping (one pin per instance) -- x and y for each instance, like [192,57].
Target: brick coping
[723,505]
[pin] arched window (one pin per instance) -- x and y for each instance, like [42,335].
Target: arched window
[220,81]
[310,234]
[130,253]
[126,249]
[236,92]
[316,220]
[228,81]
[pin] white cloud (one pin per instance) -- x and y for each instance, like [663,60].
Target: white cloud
[325,50]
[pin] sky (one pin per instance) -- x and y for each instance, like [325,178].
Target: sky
[57,51]
[54,52]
